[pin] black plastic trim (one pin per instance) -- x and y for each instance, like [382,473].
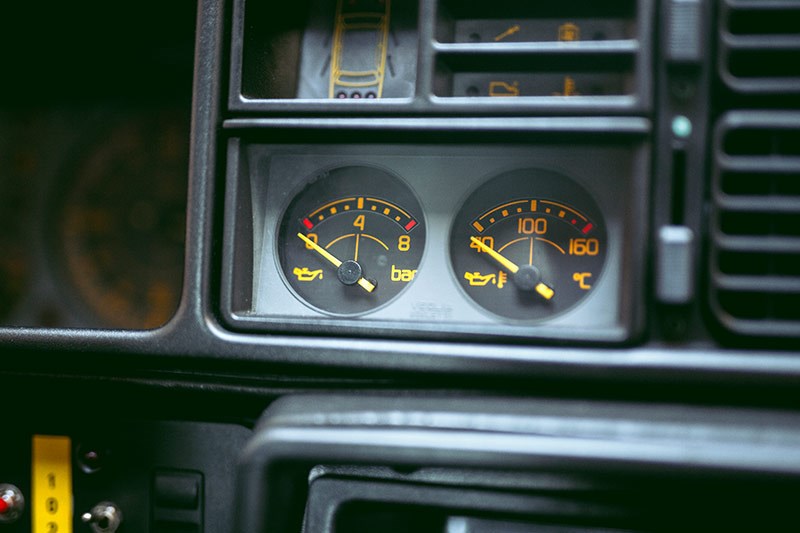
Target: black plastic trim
[297,433]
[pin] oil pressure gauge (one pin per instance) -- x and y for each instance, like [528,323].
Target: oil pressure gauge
[351,240]
[528,244]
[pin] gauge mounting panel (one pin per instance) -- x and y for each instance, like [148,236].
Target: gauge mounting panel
[521,241]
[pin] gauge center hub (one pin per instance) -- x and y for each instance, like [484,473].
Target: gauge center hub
[527,277]
[349,272]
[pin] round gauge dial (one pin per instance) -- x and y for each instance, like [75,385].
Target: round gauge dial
[351,240]
[122,224]
[528,244]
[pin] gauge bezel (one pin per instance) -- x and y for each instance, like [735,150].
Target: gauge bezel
[588,206]
[310,182]
[264,175]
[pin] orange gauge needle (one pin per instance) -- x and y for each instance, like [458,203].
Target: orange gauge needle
[543,290]
[363,283]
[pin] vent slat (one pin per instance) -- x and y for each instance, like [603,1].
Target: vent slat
[765,5]
[764,85]
[762,43]
[770,164]
[751,119]
[756,204]
[785,245]
[775,328]
[764,284]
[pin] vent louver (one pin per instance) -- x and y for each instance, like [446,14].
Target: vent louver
[755,255]
[760,46]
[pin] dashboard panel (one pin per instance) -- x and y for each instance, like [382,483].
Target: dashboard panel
[295,270]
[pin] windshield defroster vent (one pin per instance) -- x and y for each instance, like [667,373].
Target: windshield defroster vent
[755,259]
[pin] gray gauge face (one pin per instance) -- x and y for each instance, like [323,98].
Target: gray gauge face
[351,240]
[528,244]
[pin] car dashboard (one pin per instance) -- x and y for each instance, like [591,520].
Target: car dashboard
[400,265]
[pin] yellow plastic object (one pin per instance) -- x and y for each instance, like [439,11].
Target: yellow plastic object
[51,504]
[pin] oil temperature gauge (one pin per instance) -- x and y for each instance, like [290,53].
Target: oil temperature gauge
[528,244]
[352,240]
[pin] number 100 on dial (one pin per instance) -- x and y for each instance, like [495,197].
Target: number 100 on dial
[528,245]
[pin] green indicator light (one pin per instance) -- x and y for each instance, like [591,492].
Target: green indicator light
[681,127]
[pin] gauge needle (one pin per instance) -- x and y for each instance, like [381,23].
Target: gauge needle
[508,264]
[543,290]
[366,285]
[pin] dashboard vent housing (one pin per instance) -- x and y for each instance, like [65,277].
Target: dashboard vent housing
[755,256]
[759,44]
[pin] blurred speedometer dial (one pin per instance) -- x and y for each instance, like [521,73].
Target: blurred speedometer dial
[122,226]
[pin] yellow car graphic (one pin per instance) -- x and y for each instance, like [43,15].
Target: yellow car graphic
[358,58]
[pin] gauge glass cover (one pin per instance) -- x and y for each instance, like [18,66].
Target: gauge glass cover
[351,240]
[528,245]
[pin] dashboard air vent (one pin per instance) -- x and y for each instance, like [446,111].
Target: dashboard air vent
[755,256]
[760,46]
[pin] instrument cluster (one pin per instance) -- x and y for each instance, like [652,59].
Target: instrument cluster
[519,241]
